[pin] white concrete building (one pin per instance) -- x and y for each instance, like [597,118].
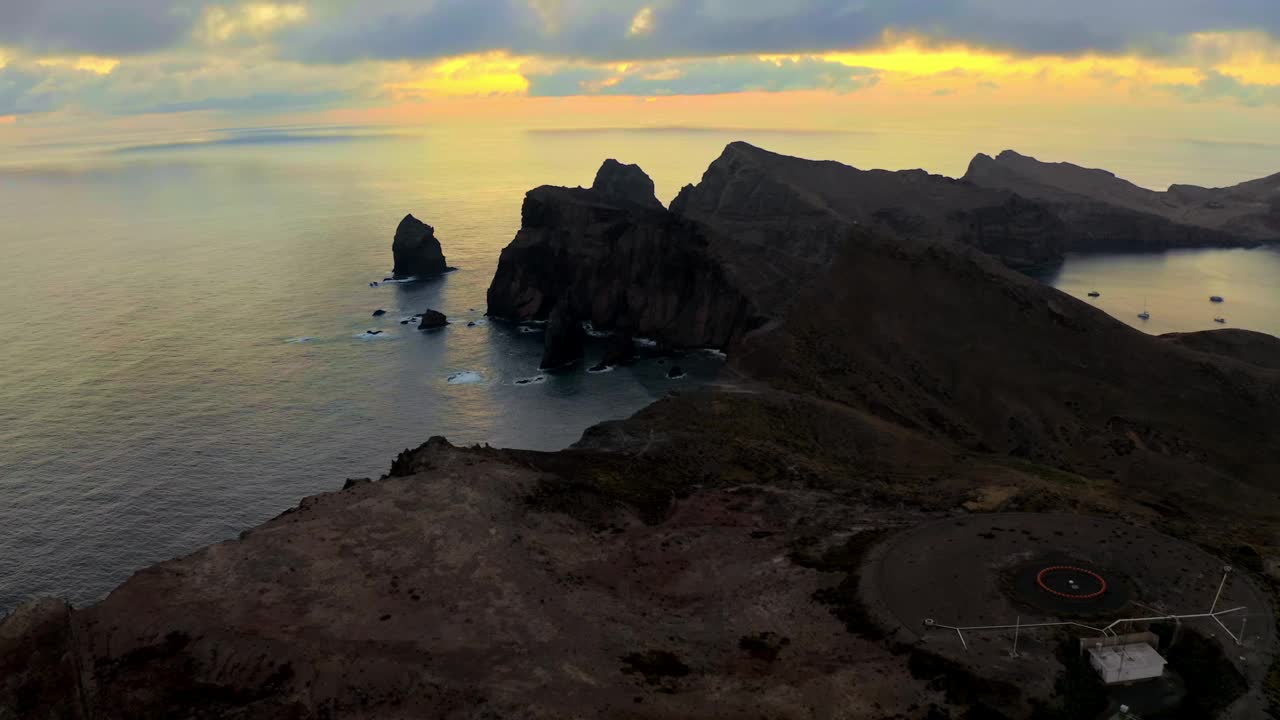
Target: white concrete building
[1126,663]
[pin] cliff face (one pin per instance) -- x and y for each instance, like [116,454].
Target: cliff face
[620,263]
[1103,212]
[417,251]
[734,249]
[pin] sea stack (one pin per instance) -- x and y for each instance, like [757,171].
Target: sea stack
[417,251]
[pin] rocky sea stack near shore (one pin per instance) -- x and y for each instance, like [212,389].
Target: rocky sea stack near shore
[611,255]
[417,251]
[716,554]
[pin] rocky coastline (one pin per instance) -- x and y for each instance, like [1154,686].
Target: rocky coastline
[705,557]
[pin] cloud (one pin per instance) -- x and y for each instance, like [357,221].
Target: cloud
[616,30]
[642,23]
[1217,86]
[704,77]
[21,91]
[252,21]
[339,31]
[168,85]
[94,27]
[138,56]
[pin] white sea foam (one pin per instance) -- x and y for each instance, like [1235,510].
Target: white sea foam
[590,330]
[466,377]
[715,353]
[597,371]
[398,281]
[297,340]
[646,342]
[527,329]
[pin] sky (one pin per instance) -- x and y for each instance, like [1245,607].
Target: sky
[1210,68]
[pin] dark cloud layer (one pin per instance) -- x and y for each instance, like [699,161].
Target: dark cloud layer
[95,27]
[598,30]
[339,31]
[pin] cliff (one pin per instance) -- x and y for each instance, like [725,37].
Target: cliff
[732,251]
[1105,213]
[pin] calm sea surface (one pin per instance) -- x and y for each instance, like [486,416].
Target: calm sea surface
[182,347]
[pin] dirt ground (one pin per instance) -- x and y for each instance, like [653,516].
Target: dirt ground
[958,572]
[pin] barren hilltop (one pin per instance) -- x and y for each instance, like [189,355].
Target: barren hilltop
[909,424]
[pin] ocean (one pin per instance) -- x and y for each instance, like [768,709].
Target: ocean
[184,320]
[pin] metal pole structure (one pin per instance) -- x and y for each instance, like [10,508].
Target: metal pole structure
[1239,640]
[1226,570]
[1016,628]
[1108,631]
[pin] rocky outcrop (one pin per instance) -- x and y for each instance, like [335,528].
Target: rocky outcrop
[38,663]
[625,184]
[1102,212]
[628,264]
[417,251]
[433,319]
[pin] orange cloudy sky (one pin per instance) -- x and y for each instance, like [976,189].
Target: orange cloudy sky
[78,65]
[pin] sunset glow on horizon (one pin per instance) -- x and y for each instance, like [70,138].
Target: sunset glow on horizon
[551,62]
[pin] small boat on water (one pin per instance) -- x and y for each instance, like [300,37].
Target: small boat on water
[1215,298]
[1095,294]
[1220,321]
[1144,314]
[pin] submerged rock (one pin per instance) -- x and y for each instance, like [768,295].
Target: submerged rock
[379,312]
[432,319]
[417,251]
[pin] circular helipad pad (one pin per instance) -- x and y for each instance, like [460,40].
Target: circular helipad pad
[1072,583]
[1067,586]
